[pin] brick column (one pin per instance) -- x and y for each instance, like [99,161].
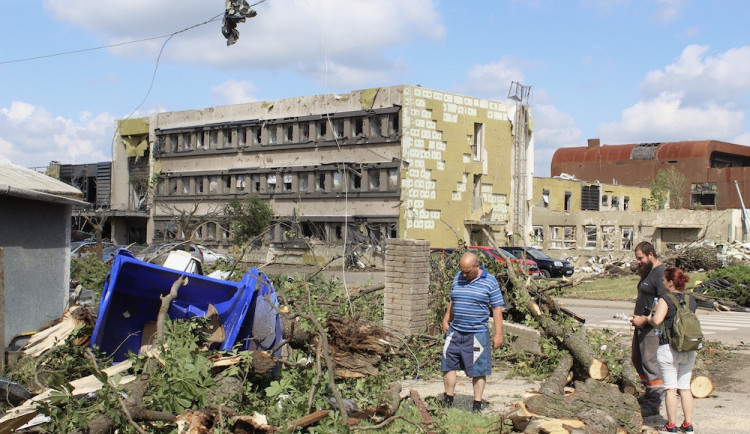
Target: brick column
[407,285]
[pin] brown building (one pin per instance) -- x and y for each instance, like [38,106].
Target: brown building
[710,167]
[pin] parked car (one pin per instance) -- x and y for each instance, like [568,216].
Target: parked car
[489,253]
[157,253]
[81,249]
[210,256]
[549,267]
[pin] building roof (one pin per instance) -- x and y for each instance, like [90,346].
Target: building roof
[644,151]
[19,181]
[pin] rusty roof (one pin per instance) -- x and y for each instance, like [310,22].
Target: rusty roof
[664,151]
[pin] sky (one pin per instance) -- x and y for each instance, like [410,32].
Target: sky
[623,71]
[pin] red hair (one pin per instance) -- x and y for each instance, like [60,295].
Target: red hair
[676,276]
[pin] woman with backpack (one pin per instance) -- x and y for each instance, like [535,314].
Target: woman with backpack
[676,366]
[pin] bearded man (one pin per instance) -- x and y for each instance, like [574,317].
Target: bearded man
[645,338]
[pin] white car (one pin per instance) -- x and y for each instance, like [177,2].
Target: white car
[209,256]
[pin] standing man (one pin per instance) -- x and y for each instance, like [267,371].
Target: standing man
[645,339]
[467,339]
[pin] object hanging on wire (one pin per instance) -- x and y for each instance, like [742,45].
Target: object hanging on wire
[236,12]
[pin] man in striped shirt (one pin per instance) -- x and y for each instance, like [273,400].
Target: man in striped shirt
[474,294]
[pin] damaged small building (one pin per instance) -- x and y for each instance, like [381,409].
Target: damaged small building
[341,172]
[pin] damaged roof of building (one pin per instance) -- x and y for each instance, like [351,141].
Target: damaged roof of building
[19,181]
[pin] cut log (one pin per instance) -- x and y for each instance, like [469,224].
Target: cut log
[426,418]
[521,416]
[559,377]
[629,379]
[561,426]
[310,419]
[701,386]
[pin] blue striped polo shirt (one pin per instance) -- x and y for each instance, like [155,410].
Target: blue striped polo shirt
[472,301]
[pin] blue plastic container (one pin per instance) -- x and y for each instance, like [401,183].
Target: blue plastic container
[131,299]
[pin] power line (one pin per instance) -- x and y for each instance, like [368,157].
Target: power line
[65,53]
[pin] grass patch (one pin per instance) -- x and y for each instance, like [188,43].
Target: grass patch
[616,288]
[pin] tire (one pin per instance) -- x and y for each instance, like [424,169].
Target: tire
[545,273]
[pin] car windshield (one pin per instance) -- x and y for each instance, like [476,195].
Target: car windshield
[508,254]
[538,254]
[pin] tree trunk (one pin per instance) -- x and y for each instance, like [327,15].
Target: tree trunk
[555,384]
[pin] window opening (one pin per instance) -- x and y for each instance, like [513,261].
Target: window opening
[241,182]
[563,237]
[374,179]
[227,136]
[336,180]
[187,144]
[626,203]
[198,185]
[270,183]
[322,129]
[537,238]
[393,121]
[173,143]
[211,230]
[257,134]
[338,128]
[172,186]
[568,196]
[358,126]
[545,198]
[305,130]
[478,141]
[227,182]
[186,186]
[272,135]
[213,184]
[242,132]
[627,238]
[375,126]
[608,238]
[289,133]
[213,139]
[355,180]
[302,178]
[199,140]
[616,202]
[591,232]
[393,174]
[256,183]
[288,182]
[320,181]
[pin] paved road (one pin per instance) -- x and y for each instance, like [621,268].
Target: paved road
[730,328]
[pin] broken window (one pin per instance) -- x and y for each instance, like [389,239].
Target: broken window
[303,180]
[213,184]
[545,198]
[227,183]
[172,143]
[289,133]
[703,194]
[270,182]
[226,136]
[626,242]
[644,204]
[568,196]
[537,236]
[305,131]
[242,137]
[359,126]
[241,182]
[185,186]
[616,202]
[338,128]
[322,129]
[287,182]
[373,175]
[376,128]
[213,139]
[198,232]
[272,131]
[478,141]
[257,134]
[337,180]
[187,144]
[563,237]
[590,236]
[393,174]
[199,140]
[609,241]
[198,185]
[626,203]
[211,230]
[605,201]
[355,180]
[320,181]
[393,123]
[256,184]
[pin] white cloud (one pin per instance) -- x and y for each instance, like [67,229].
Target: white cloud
[233,92]
[493,80]
[667,118]
[31,136]
[553,129]
[669,10]
[293,34]
[725,77]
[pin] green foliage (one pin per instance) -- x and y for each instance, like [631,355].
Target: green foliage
[668,186]
[89,272]
[183,378]
[248,218]
[739,276]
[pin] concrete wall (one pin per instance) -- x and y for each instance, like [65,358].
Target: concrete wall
[35,237]
[616,233]
[438,183]
[407,286]
[558,188]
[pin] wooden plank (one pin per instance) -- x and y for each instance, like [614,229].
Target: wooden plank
[426,418]
[310,419]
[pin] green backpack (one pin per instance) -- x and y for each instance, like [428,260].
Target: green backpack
[686,334]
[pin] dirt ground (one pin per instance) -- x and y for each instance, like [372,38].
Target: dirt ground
[724,411]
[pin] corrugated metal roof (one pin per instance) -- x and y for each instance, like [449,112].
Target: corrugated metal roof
[21,178]
[663,151]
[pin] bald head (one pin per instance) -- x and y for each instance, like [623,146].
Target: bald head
[469,266]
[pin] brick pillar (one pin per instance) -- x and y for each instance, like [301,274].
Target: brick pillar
[407,285]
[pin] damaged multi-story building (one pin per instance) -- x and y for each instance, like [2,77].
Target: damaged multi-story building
[342,172]
[716,172]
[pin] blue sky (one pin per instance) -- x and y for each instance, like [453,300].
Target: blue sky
[623,71]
